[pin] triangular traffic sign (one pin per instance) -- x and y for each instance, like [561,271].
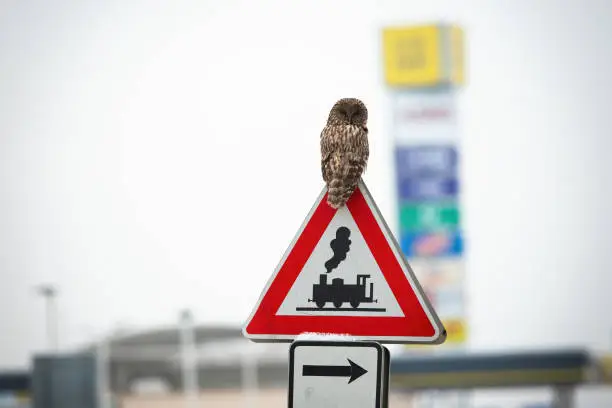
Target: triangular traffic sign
[344,273]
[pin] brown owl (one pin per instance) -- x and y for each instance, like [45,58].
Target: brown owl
[344,149]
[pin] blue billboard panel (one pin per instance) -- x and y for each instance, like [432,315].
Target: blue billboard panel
[426,161]
[427,189]
[432,244]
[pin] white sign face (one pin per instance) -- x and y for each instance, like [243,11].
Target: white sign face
[355,268]
[424,116]
[333,374]
[344,273]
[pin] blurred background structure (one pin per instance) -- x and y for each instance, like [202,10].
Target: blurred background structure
[49,294]
[156,159]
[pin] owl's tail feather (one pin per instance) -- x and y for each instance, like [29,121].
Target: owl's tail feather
[338,193]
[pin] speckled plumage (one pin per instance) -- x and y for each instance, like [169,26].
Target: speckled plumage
[344,149]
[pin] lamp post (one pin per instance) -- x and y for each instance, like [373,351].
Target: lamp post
[103,346]
[249,372]
[49,293]
[189,360]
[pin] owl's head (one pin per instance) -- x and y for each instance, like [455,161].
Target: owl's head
[348,111]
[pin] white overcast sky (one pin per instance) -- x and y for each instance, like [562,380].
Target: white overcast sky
[161,155]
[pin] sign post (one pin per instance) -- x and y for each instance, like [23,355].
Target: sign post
[424,73]
[338,373]
[345,274]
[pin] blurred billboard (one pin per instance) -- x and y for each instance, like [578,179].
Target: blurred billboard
[423,71]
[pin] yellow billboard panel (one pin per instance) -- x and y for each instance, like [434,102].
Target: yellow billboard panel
[412,55]
[425,55]
[456,336]
[457,45]
[455,330]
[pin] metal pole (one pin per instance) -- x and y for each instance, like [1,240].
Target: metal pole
[463,399]
[102,377]
[249,370]
[49,292]
[563,397]
[189,364]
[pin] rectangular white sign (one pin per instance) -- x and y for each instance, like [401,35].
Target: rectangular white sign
[424,117]
[337,374]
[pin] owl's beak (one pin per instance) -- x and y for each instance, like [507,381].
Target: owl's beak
[350,112]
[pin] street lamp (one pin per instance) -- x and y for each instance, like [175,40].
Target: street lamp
[189,359]
[49,293]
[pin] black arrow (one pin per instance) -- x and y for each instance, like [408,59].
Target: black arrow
[354,371]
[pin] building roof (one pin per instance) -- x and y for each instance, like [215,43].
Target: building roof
[215,344]
[171,335]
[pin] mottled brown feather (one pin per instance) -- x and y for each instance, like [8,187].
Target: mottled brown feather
[344,149]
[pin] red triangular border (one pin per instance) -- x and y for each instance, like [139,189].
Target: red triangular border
[420,323]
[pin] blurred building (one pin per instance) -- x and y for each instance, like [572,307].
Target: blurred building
[223,369]
[145,369]
[221,356]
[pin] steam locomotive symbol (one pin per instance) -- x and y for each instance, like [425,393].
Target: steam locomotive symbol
[338,292]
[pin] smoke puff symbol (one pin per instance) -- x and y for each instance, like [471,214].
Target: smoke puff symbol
[340,245]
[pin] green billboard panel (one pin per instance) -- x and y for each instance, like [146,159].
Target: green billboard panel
[429,216]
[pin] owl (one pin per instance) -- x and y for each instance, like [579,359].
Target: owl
[344,149]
